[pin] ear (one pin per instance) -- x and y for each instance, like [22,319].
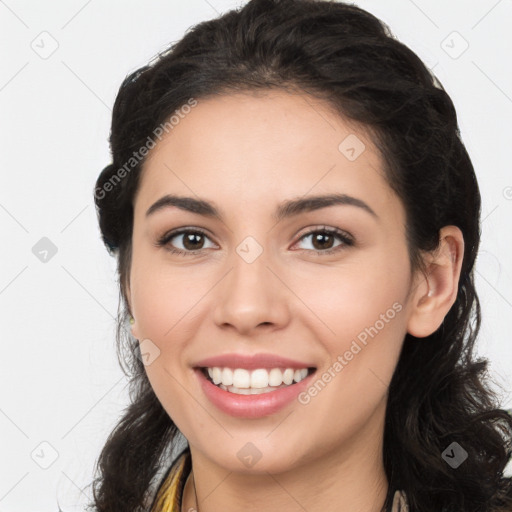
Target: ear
[133,327]
[435,293]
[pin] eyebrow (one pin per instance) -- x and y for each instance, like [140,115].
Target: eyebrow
[284,210]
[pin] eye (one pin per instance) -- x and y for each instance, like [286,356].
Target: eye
[192,241]
[323,238]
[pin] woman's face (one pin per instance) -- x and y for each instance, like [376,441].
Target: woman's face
[260,279]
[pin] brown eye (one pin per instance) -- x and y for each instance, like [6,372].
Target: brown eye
[192,241]
[322,240]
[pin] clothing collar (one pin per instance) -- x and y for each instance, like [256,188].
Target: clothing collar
[170,493]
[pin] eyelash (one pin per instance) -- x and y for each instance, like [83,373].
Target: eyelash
[346,238]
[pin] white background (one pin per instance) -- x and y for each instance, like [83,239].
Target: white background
[60,382]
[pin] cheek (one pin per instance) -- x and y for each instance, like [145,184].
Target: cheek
[360,316]
[162,313]
[350,297]
[157,295]
[160,318]
[166,303]
[363,354]
[168,386]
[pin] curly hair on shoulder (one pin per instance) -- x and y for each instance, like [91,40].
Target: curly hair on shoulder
[440,393]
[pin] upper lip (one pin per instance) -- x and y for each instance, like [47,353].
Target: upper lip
[251,362]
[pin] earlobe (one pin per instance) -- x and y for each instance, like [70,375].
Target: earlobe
[133,328]
[436,291]
[133,325]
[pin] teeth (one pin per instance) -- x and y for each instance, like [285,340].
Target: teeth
[241,378]
[259,379]
[250,391]
[227,376]
[217,376]
[245,381]
[288,376]
[275,377]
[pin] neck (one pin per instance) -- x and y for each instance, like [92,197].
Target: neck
[350,479]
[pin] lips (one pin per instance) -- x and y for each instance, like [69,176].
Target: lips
[252,405]
[252,362]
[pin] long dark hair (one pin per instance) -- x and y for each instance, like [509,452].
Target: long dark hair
[439,393]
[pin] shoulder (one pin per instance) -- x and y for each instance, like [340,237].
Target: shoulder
[400,503]
[169,492]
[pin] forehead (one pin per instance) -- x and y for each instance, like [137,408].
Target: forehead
[265,147]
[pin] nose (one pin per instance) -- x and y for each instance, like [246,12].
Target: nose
[251,296]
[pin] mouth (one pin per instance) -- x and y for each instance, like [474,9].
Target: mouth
[242,381]
[253,386]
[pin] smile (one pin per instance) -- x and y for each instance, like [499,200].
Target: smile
[244,400]
[244,382]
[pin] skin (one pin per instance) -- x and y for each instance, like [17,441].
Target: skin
[246,153]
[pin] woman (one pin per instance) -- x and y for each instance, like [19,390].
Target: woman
[296,221]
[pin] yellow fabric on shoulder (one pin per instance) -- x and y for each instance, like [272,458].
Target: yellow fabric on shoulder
[168,498]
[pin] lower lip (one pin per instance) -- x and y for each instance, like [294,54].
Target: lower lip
[251,406]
